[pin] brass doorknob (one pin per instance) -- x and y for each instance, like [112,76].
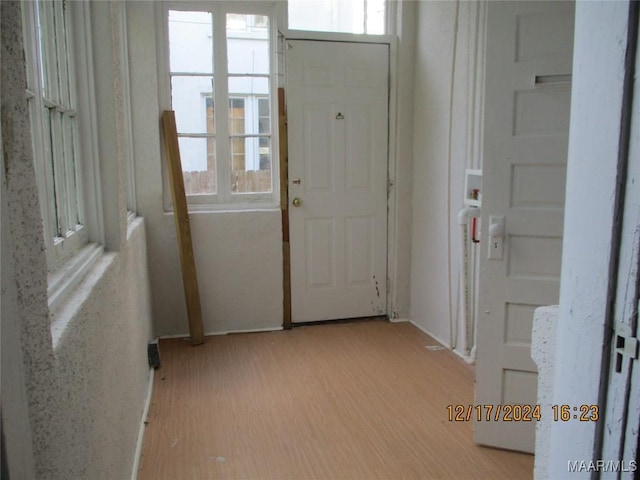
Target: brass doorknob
[296,202]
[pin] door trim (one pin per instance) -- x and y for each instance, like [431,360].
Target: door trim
[392,253]
[624,148]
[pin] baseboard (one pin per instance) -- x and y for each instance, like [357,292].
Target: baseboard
[143,424]
[467,358]
[225,332]
[399,320]
[250,330]
[169,337]
[439,340]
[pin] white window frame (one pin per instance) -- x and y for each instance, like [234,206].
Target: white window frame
[223,199]
[70,253]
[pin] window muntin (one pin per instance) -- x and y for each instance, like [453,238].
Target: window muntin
[52,106]
[232,161]
[344,16]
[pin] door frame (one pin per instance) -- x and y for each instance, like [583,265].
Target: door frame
[608,442]
[584,326]
[392,252]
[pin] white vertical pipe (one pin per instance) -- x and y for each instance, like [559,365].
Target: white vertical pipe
[468,328]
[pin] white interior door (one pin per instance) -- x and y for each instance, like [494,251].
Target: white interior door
[337,104]
[622,414]
[526,125]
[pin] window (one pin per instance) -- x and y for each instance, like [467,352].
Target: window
[53,110]
[347,16]
[221,88]
[60,95]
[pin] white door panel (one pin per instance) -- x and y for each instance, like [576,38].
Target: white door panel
[527,107]
[337,98]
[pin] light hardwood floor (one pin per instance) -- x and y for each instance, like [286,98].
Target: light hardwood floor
[361,400]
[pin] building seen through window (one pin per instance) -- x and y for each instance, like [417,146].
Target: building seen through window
[223,106]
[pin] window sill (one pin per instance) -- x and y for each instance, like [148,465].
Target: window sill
[68,276]
[229,208]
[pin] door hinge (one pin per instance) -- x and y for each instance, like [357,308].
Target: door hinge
[626,346]
[389,186]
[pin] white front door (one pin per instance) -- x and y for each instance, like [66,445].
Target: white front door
[526,125]
[337,104]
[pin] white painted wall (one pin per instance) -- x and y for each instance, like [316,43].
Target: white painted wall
[445,143]
[401,199]
[591,175]
[238,254]
[79,374]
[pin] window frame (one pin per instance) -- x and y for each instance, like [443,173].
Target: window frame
[223,198]
[71,255]
[389,22]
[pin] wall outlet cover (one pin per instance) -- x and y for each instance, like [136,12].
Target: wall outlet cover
[153,353]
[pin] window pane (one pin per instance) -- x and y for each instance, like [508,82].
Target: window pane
[237,116]
[190,42]
[210,114]
[346,16]
[70,160]
[245,86]
[376,17]
[60,15]
[238,153]
[191,100]
[264,119]
[236,23]
[50,169]
[260,21]
[59,172]
[48,57]
[265,153]
[251,170]
[247,44]
[198,165]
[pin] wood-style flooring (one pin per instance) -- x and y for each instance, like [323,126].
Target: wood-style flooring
[364,400]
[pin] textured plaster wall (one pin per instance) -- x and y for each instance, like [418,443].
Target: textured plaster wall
[543,352]
[591,177]
[81,371]
[15,413]
[25,252]
[101,365]
[444,145]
